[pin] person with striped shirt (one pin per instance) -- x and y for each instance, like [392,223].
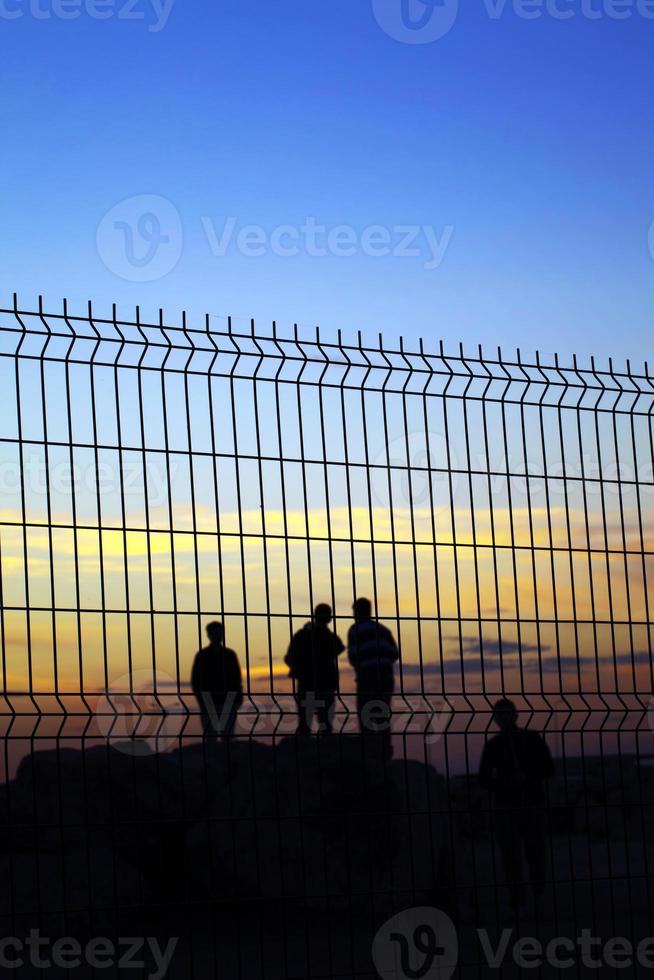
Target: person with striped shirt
[372,651]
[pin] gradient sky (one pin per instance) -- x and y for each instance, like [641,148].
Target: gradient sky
[501,564]
[531,139]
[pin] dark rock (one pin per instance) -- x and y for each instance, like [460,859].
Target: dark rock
[327,823]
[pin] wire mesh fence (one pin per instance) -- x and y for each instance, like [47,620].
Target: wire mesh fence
[497,511]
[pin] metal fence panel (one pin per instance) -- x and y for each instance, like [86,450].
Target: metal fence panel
[497,510]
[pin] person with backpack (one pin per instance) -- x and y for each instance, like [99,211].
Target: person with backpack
[312,660]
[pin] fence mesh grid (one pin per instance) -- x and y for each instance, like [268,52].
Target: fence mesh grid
[497,511]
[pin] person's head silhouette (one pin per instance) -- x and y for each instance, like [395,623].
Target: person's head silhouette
[505,714]
[216,633]
[362,609]
[322,614]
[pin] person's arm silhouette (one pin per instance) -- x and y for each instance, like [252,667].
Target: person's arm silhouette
[291,658]
[197,674]
[394,647]
[544,763]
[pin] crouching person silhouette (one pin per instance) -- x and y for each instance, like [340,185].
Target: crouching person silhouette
[312,660]
[217,684]
[515,765]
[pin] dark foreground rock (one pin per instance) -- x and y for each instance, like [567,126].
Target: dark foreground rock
[111,836]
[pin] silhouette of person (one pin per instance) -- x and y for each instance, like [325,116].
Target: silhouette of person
[312,660]
[217,684]
[372,651]
[515,766]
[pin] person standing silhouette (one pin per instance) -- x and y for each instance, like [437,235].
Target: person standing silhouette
[312,660]
[372,651]
[515,766]
[217,684]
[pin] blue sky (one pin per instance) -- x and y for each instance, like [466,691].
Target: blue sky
[523,146]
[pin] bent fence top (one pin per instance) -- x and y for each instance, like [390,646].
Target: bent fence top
[497,510]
